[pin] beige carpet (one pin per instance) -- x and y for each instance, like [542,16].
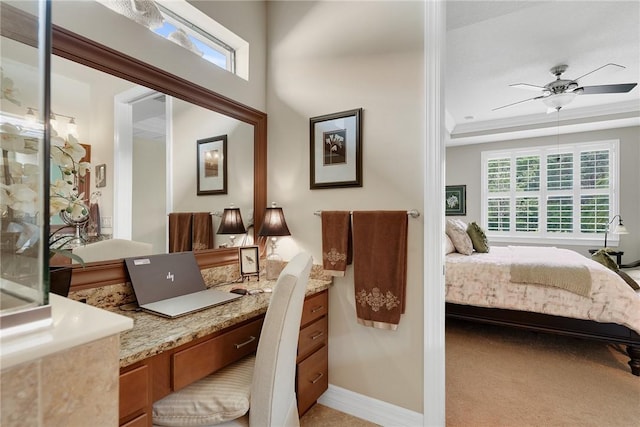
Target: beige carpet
[323,416]
[499,376]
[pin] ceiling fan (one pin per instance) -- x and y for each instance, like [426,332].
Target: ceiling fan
[560,92]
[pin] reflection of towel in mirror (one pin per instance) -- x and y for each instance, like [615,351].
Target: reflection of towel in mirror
[180,231]
[380,267]
[202,231]
[336,242]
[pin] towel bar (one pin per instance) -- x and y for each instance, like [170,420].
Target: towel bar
[413,213]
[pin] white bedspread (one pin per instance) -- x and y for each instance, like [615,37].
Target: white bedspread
[483,279]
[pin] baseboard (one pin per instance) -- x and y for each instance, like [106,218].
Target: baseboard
[370,409]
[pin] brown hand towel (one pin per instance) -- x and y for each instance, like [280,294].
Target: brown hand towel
[380,267]
[202,231]
[180,231]
[336,242]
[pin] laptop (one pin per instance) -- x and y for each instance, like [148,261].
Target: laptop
[170,285]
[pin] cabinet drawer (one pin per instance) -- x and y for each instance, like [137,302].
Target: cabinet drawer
[315,307]
[134,391]
[312,379]
[312,337]
[197,362]
[141,421]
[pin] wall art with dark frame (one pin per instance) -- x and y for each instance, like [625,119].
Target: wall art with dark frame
[249,261]
[336,150]
[455,200]
[212,165]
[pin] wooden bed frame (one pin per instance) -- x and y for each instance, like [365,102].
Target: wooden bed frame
[588,329]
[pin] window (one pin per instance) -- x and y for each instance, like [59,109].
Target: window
[560,193]
[178,29]
[185,25]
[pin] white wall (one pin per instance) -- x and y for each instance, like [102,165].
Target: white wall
[327,57]
[464,167]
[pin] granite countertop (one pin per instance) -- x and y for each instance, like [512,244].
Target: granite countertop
[152,334]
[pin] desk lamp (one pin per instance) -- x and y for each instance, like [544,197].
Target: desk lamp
[231,223]
[618,228]
[273,225]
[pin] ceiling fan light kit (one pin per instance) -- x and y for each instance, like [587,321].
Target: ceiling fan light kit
[560,92]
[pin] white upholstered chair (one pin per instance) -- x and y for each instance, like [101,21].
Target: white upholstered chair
[264,383]
[112,249]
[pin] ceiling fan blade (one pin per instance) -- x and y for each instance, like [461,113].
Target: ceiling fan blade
[526,86]
[519,102]
[600,68]
[617,88]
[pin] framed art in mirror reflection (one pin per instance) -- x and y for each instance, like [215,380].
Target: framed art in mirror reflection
[212,165]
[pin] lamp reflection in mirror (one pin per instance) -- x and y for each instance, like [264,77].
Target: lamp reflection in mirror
[618,228]
[231,223]
[273,225]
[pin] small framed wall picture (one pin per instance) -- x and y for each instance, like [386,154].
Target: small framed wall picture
[336,150]
[212,165]
[101,175]
[455,200]
[249,261]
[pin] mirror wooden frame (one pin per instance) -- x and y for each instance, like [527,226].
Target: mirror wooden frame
[17,25]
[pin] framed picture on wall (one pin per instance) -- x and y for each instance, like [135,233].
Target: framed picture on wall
[336,150]
[212,165]
[456,200]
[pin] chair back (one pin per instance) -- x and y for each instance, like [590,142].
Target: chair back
[273,398]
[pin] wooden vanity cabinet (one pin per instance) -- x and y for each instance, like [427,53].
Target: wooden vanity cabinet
[151,379]
[312,373]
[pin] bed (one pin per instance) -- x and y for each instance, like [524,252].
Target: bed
[481,287]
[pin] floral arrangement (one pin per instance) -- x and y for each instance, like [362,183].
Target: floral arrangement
[20,180]
[63,193]
[19,191]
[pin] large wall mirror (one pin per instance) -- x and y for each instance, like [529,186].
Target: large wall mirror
[167,115]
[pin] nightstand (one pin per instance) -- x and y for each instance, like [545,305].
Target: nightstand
[617,254]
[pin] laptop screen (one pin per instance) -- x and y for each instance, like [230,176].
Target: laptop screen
[159,277]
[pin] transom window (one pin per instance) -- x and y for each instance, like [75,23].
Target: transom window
[185,25]
[565,192]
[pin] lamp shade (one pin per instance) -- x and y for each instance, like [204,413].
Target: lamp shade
[274,223]
[231,222]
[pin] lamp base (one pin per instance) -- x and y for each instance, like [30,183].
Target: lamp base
[274,266]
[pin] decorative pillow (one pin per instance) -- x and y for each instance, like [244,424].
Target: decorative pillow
[457,230]
[448,245]
[603,258]
[478,238]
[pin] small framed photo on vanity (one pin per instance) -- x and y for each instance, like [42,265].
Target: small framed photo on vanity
[249,261]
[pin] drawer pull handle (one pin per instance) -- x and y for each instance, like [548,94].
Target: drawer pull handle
[317,308]
[249,341]
[318,335]
[317,378]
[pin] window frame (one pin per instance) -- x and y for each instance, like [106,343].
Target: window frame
[542,235]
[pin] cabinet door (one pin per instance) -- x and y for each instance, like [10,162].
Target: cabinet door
[312,378]
[312,337]
[134,392]
[315,307]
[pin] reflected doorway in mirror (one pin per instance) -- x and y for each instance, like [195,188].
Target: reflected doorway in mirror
[101,175]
